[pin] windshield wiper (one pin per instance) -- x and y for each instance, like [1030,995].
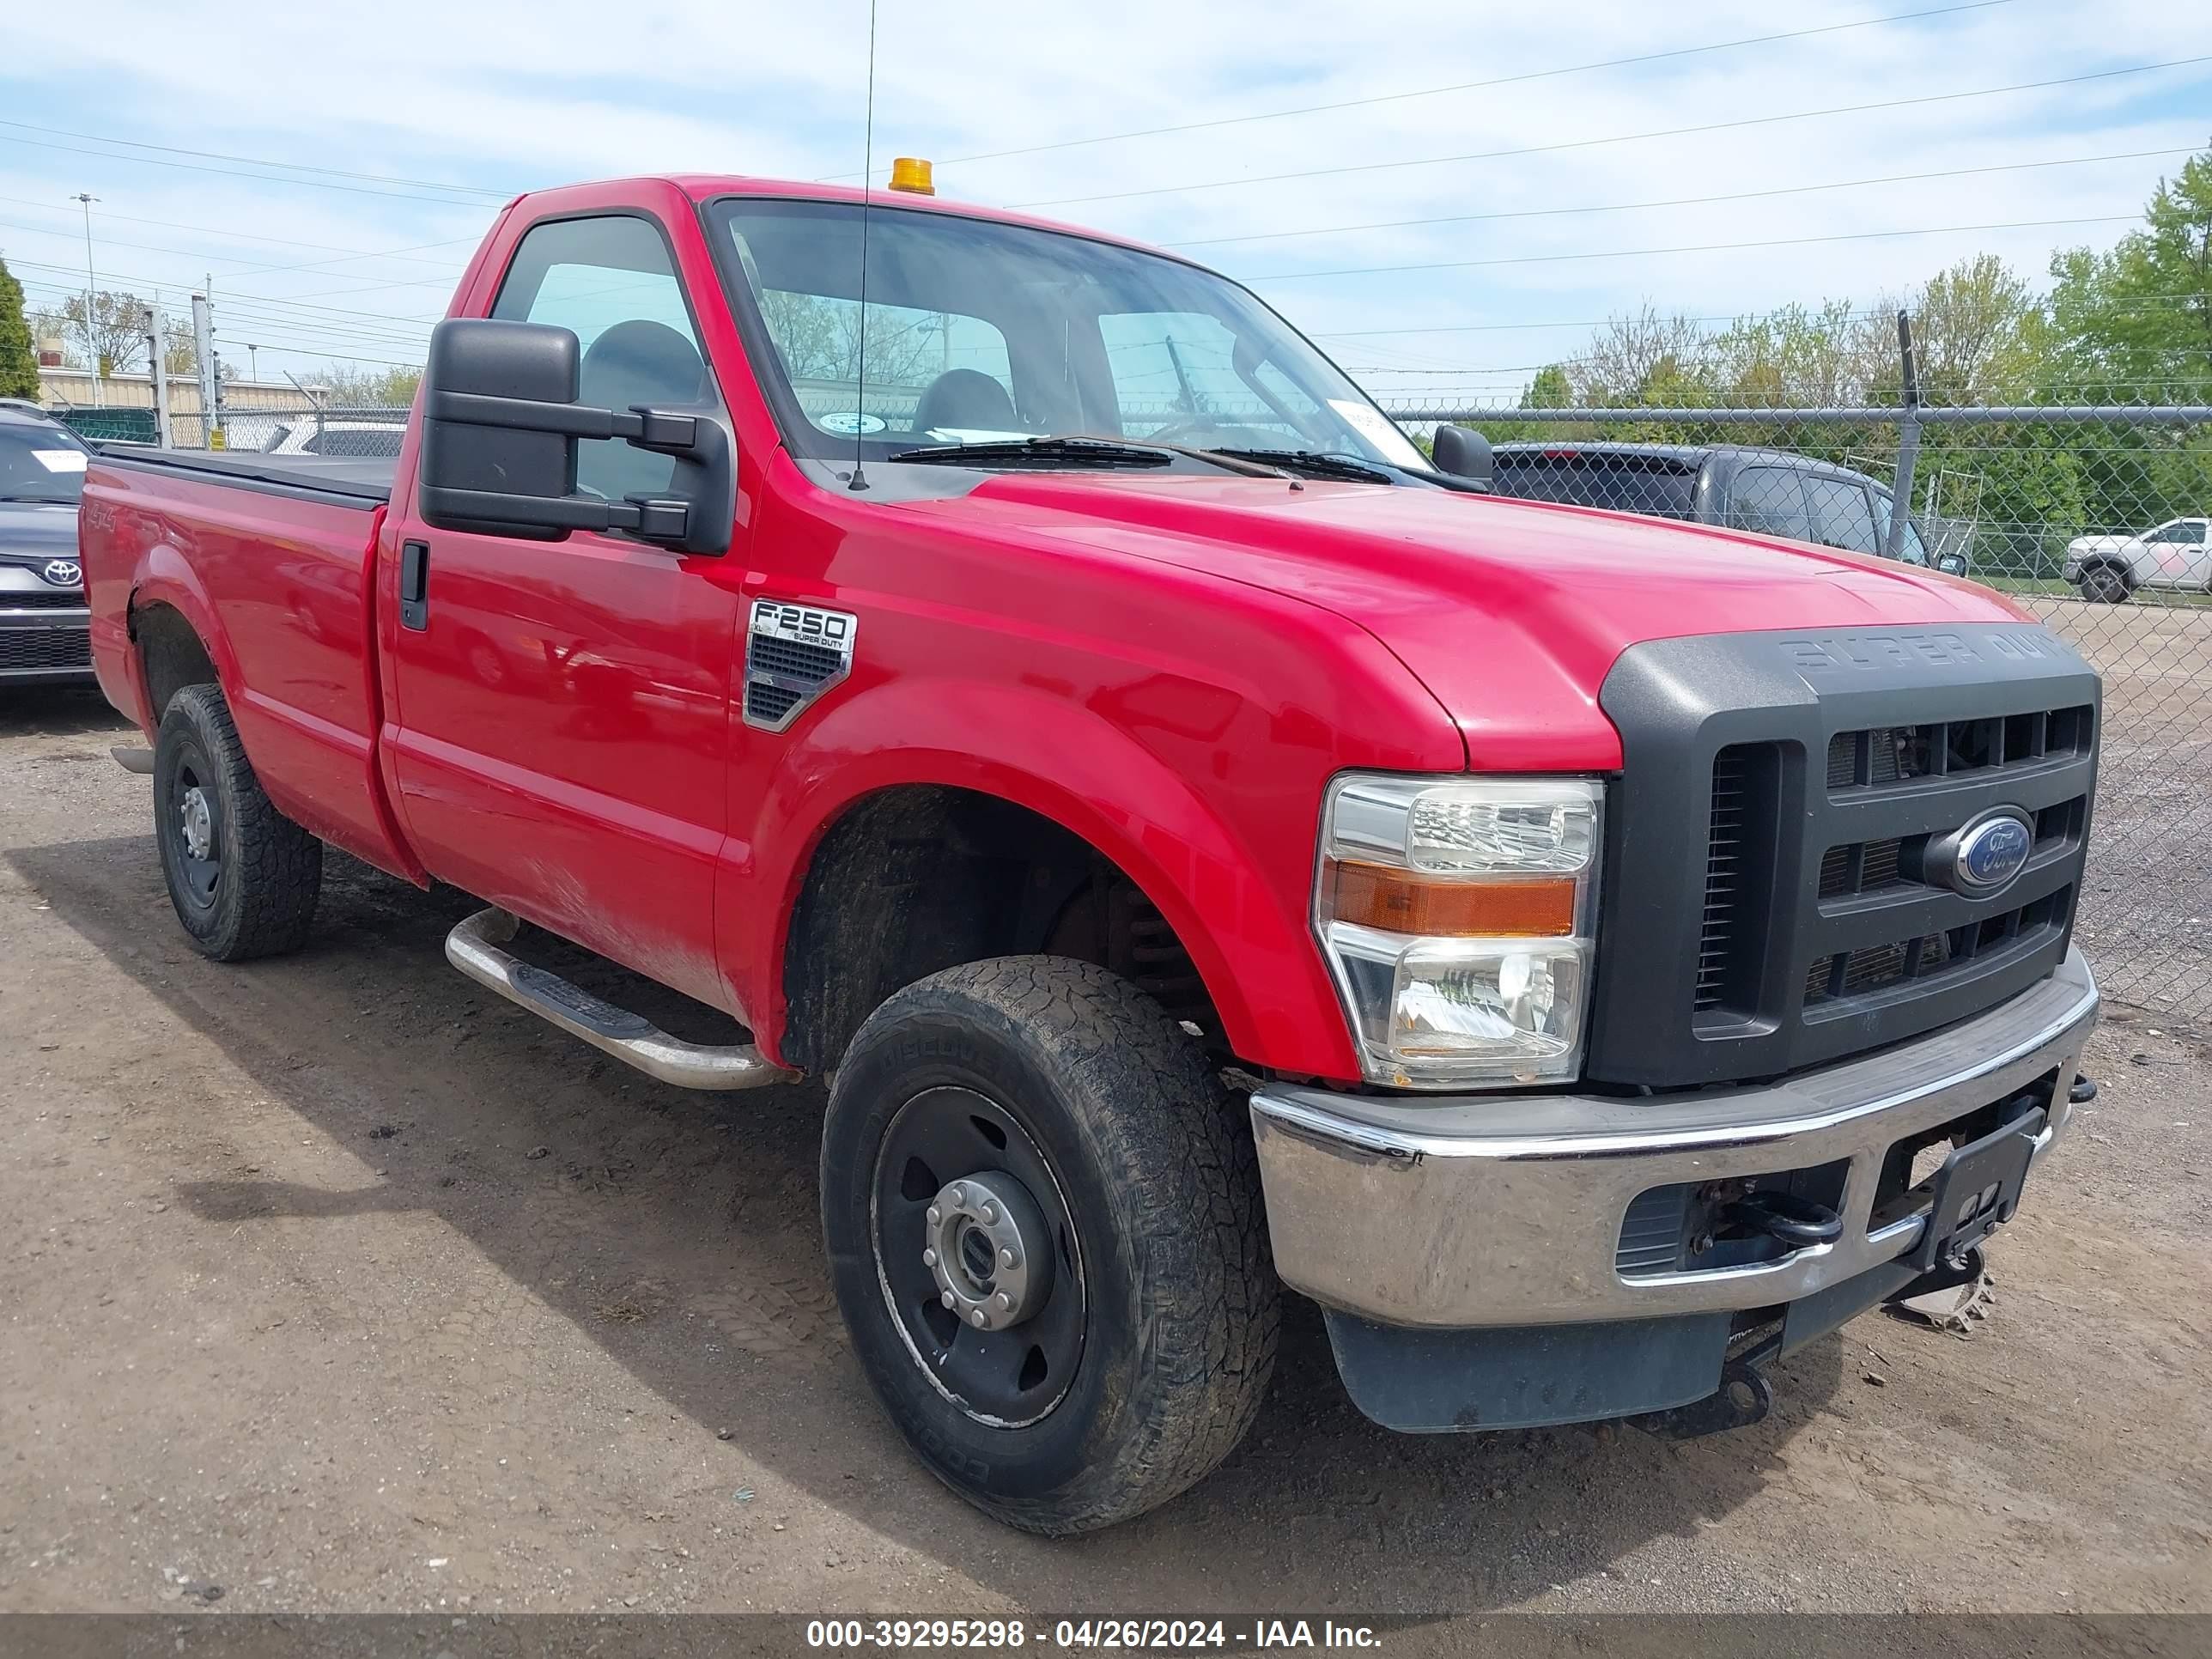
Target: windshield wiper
[1334,464]
[1102,453]
[1319,463]
[1015,452]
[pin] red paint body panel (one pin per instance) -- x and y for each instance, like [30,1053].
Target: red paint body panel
[1170,668]
[276,588]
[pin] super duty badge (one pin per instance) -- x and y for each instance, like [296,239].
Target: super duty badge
[794,654]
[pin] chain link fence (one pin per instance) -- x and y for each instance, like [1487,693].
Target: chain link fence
[2095,521]
[306,430]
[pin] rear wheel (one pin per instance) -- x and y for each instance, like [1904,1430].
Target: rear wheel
[2107,584]
[244,878]
[1044,1224]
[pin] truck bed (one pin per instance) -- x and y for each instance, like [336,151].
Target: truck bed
[363,482]
[269,561]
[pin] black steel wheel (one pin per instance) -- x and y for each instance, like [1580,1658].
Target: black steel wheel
[978,1260]
[1045,1229]
[244,878]
[2107,584]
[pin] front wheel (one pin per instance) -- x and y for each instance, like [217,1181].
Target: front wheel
[244,878]
[2104,584]
[1044,1224]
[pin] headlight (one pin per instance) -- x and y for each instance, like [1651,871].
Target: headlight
[1456,914]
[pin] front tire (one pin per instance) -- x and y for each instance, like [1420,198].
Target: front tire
[244,878]
[2106,584]
[1038,1100]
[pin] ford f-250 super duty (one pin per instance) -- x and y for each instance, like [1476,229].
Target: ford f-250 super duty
[1204,846]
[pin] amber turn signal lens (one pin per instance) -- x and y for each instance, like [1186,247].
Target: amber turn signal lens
[1376,896]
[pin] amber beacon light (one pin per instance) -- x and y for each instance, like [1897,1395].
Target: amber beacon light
[911,174]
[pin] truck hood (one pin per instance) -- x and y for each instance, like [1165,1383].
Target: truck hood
[1509,612]
[37,531]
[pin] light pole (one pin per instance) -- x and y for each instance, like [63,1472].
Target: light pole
[253,362]
[91,341]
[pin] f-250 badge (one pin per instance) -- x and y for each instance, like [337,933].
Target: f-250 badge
[794,654]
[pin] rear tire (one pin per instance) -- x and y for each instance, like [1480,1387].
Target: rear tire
[244,878]
[2106,584]
[1090,1112]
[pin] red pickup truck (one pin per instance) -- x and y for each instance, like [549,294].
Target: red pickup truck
[1205,844]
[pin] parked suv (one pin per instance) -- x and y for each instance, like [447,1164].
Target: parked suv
[42,609]
[1769,490]
[2174,556]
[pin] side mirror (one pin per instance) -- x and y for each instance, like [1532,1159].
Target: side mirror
[1464,454]
[1951,565]
[501,423]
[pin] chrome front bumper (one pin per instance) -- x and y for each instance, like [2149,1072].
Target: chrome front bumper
[1506,1209]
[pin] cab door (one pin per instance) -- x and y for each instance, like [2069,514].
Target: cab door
[560,732]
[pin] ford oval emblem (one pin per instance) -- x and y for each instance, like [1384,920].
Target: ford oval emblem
[63,573]
[1992,851]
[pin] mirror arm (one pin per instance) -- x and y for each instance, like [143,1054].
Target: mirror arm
[654,518]
[643,427]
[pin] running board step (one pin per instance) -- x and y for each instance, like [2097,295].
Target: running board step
[473,947]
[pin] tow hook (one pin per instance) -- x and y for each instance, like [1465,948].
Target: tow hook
[1796,1222]
[1744,1397]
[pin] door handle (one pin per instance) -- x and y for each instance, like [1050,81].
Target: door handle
[415,585]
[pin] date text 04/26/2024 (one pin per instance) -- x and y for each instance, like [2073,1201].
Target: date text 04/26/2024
[1259,1635]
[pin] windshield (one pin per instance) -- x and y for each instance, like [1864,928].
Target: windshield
[980,331]
[41,464]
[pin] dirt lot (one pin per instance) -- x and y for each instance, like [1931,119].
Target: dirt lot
[2152,797]
[337,1283]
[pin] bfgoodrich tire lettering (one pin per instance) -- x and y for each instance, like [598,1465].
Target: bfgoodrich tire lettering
[244,878]
[1162,1198]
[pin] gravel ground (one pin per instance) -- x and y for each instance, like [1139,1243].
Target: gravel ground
[2148,896]
[336,1283]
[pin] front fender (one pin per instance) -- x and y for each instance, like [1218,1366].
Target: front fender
[1235,894]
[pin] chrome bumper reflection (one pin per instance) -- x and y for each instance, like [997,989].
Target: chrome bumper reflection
[1507,1209]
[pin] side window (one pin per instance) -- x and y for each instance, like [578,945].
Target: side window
[1910,550]
[1770,499]
[1840,513]
[609,282]
[2186,533]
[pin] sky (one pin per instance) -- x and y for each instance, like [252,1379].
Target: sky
[1445,197]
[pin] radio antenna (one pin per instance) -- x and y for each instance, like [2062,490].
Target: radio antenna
[867,185]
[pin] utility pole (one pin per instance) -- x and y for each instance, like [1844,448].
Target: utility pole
[91,343]
[204,350]
[157,340]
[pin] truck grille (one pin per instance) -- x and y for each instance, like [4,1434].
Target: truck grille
[1826,918]
[1724,853]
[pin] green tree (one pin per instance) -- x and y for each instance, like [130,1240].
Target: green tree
[19,364]
[2134,324]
